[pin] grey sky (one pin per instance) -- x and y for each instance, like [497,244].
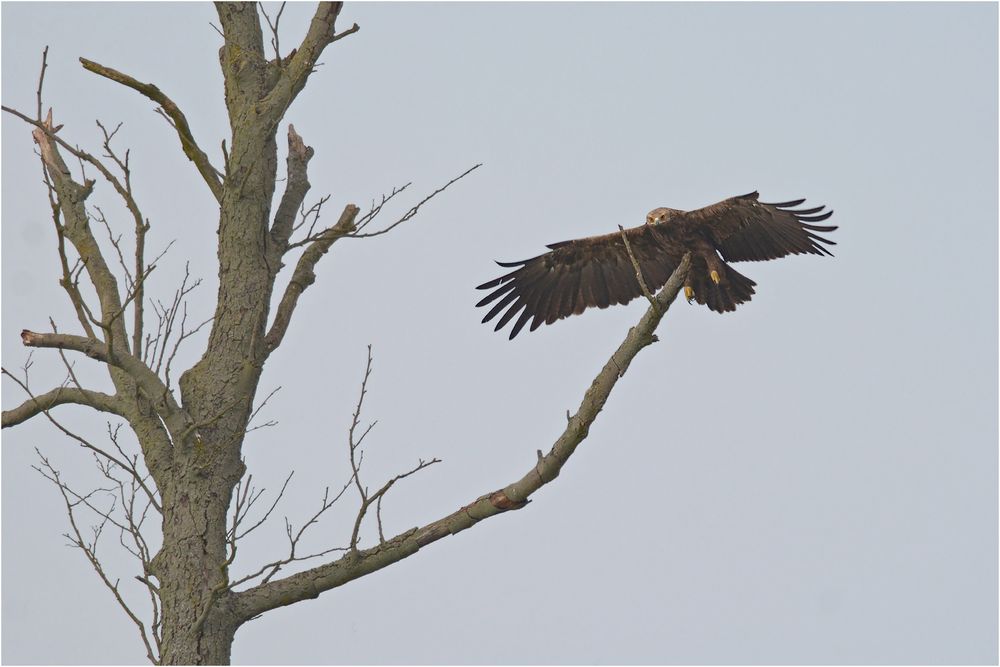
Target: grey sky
[812,479]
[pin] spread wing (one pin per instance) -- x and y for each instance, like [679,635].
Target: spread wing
[745,229]
[577,275]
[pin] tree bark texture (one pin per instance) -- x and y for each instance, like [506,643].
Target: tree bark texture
[191,442]
[219,390]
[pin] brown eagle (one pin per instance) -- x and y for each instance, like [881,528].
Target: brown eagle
[597,271]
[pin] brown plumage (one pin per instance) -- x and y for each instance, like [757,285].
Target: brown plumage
[597,271]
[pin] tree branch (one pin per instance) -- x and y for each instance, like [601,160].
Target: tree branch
[310,583]
[141,227]
[270,569]
[176,116]
[90,549]
[322,32]
[274,27]
[41,82]
[67,190]
[176,419]
[356,455]
[304,275]
[50,131]
[71,196]
[368,217]
[638,269]
[60,396]
[118,407]
[295,190]
[348,225]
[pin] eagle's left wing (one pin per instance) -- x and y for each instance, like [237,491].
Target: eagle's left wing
[745,229]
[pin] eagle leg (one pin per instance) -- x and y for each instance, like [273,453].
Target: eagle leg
[688,289]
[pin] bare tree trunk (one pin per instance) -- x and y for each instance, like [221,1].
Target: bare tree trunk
[198,627]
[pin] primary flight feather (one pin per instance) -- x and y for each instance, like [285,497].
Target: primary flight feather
[597,270]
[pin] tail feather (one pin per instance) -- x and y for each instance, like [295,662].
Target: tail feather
[734,289]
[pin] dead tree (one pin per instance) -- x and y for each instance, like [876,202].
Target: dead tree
[189,472]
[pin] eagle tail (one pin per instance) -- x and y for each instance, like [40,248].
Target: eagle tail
[732,290]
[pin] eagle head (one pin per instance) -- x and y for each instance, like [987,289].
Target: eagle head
[660,215]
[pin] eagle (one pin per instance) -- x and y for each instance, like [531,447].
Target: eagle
[599,270]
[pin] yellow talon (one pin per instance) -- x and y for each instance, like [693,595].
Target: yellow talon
[688,293]
[715,277]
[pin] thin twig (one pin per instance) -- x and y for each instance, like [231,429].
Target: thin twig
[236,524]
[314,212]
[83,442]
[89,549]
[413,211]
[638,269]
[41,81]
[258,409]
[356,456]
[273,27]
[274,567]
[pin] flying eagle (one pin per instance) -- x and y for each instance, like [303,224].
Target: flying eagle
[597,271]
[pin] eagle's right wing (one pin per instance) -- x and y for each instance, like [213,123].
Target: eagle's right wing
[580,274]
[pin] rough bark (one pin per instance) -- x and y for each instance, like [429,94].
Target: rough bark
[198,627]
[219,390]
[191,443]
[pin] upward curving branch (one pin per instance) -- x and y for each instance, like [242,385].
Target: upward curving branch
[174,114]
[312,582]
